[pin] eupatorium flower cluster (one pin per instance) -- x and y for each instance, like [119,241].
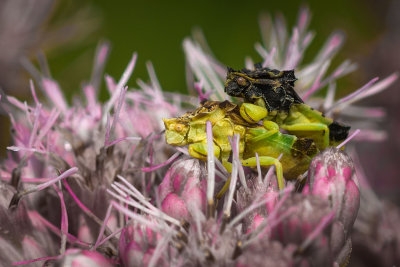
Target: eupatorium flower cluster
[95,184]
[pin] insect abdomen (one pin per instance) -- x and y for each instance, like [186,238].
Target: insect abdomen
[338,132]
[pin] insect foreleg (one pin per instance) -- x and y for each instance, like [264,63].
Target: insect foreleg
[267,161]
[199,150]
[310,127]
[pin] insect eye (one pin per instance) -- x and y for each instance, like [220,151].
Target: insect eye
[178,127]
[241,81]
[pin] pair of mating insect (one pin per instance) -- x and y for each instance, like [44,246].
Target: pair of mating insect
[269,97]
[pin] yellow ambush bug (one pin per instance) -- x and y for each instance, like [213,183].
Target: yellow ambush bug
[228,119]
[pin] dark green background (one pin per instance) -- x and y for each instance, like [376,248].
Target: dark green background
[155,29]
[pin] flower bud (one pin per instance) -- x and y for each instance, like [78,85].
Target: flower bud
[332,177]
[298,217]
[136,245]
[183,189]
[305,220]
[256,193]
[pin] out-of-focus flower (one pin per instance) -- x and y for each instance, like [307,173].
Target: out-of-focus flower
[22,235]
[20,27]
[27,28]
[268,253]
[24,30]
[376,235]
[376,232]
[137,244]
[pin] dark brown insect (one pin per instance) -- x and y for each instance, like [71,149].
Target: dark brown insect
[273,87]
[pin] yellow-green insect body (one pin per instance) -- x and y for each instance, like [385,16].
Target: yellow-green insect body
[274,91]
[190,129]
[302,121]
[297,153]
[227,119]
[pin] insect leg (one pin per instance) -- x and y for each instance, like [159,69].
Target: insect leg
[252,113]
[199,150]
[228,167]
[267,161]
[311,127]
[271,127]
[224,188]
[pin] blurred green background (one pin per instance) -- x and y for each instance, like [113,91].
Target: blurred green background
[156,29]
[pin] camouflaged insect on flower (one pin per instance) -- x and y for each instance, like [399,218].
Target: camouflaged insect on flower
[274,235]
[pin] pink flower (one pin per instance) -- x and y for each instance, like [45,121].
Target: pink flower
[332,177]
[258,192]
[137,245]
[22,235]
[183,189]
[305,221]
